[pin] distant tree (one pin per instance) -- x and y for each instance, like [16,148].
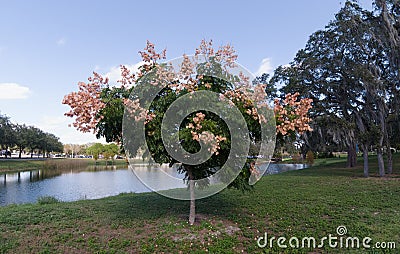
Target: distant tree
[7,134]
[73,149]
[95,150]
[52,144]
[109,152]
[22,137]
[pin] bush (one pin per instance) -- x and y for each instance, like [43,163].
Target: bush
[47,200]
[310,157]
[325,155]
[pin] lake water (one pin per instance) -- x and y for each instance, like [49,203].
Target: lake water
[27,187]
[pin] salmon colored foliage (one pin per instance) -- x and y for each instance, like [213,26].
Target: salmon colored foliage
[290,113]
[86,103]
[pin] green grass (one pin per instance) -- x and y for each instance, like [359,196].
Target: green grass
[10,165]
[47,200]
[311,202]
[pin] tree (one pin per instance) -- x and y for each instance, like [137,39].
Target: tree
[23,134]
[95,150]
[52,144]
[387,34]
[33,138]
[348,72]
[201,129]
[7,134]
[109,151]
[73,149]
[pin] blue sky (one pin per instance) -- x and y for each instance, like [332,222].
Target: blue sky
[46,47]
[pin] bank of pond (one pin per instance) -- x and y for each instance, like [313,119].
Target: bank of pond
[94,182]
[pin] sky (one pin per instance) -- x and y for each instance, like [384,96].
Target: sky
[47,47]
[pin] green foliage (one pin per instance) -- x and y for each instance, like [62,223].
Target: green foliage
[47,200]
[95,150]
[110,125]
[110,150]
[350,70]
[22,136]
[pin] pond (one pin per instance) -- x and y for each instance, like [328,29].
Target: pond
[92,183]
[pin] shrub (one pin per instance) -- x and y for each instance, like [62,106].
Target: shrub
[47,200]
[310,157]
[296,158]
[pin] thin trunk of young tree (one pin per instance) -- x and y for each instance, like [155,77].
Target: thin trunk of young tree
[389,153]
[365,143]
[192,212]
[389,162]
[381,163]
[365,157]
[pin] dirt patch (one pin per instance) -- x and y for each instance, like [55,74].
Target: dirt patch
[206,227]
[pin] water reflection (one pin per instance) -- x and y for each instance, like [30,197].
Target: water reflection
[280,168]
[70,185]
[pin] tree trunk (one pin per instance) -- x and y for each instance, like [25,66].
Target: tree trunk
[389,154]
[351,156]
[192,212]
[381,163]
[6,150]
[389,162]
[20,152]
[365,144]
[365,156]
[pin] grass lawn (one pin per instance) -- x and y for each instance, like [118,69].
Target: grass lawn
[10,165]
[306,203]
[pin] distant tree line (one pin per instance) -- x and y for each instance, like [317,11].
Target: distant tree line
[108,151]
[21,137]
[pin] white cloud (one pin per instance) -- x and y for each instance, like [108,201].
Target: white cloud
[59,126]
[265,67]
[50,122]
[61,42]
[115,72]
[10,91]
